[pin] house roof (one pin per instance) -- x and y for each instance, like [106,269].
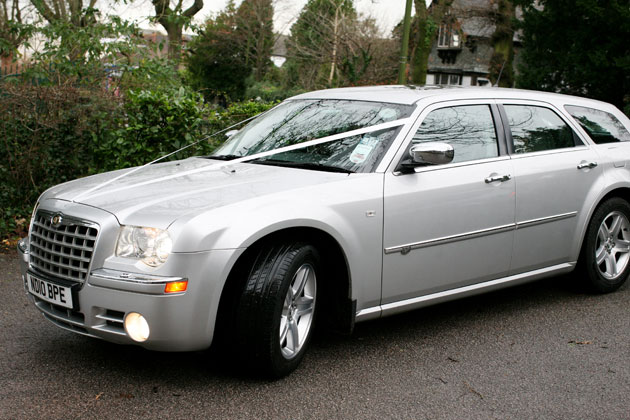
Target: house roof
[279,48]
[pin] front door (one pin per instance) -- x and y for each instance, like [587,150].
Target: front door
[452,225]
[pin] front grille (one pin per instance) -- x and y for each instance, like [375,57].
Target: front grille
[65,251]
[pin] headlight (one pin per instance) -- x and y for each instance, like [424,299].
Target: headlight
[150,245]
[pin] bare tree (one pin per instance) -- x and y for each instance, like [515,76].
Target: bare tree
[12,31]
[254,26]
[72,11]
[321,31]
[173,18]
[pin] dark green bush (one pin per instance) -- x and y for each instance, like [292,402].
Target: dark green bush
[54,134]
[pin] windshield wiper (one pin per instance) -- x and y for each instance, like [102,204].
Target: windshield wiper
[222,157]
[302,165]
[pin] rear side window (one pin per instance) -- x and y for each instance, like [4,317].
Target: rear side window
[601,126]
[536,129]
[468,129]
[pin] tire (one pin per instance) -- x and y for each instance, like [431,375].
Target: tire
[276,311]
[605,257]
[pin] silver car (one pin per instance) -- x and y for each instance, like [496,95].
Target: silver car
[335,207]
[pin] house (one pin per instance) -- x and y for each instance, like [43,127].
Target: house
[160,40]
[279,49]
[461,53]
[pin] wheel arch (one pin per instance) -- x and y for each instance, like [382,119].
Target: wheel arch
[621,191]
[338,308]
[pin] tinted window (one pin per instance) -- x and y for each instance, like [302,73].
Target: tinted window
[535,128]
[468,129]
[601,126]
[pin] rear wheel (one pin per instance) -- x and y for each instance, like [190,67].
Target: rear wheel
[606,251]
[277,308]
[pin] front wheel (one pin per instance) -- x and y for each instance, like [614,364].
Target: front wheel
[277,308]
[606,250]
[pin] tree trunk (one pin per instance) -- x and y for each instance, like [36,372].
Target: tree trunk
[334,50]
[174,33]
[172,22]
[501,63]
[425,34]
[420,60]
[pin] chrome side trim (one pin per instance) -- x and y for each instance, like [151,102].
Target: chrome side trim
[368,313]
[542,220]
[448,239]
[474,289]
[104,273]
[404,249]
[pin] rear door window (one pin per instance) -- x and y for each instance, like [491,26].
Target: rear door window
[601,126]
[535,129]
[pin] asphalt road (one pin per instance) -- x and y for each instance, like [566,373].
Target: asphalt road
[539,351]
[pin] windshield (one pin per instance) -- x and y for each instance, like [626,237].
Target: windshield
[298,121]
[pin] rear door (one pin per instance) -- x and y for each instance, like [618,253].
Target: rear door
[554,171]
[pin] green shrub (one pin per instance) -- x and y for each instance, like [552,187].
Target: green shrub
[47,138]
[155,123]
[53,134]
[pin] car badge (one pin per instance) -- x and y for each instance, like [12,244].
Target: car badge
[56,220]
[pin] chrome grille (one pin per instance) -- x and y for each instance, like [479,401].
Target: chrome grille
[64,251]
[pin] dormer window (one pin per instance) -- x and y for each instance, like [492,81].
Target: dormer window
[449,37]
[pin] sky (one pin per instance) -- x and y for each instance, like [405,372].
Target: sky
[386,12]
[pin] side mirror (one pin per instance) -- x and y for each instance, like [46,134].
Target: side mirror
[230,133]
[432,153]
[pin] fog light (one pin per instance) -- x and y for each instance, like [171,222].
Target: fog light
[137,327]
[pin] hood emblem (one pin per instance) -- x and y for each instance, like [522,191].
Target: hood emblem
[56,220]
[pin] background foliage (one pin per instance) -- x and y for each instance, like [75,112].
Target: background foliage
[578,47]
[96,96]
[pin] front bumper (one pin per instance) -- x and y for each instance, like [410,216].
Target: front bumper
[178,322]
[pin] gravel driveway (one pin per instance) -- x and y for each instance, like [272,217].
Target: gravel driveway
[539,351]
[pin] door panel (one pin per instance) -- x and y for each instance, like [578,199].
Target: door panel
[554,171]
[446,228]
[550,191]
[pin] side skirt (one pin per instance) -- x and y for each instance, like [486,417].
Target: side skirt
[474,289]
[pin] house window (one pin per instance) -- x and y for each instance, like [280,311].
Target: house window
[448,37]
[447,79]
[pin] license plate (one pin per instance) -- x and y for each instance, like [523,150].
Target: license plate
[50,292]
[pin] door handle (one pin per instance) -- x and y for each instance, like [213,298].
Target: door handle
[500,178]
[584,165]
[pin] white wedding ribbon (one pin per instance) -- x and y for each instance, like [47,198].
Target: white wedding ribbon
[315,142]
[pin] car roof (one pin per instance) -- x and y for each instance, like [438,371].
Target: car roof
[410,94]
